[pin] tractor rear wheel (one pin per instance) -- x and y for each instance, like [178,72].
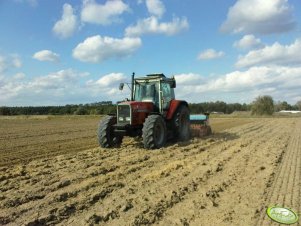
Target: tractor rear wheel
[181,123]
[154,132]
[106,136]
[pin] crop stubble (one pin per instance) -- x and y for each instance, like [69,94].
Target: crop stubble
[228,178]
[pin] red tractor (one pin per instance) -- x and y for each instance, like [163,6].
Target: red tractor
[153,113]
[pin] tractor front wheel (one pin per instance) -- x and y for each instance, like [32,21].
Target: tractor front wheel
[106,136]
[154,132]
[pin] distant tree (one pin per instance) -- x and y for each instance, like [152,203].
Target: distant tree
[279,106]
[93,112]
[5,111]
[67,109]
[196,108]
[218,106]
[285,105]
[54,110]
[109,109]
[263,105]
[81,111]
[246,107]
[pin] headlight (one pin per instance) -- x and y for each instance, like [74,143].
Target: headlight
[128,119]
[120,119]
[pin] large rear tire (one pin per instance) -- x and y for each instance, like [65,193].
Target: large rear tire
[106,136]
[181,123]
[154,132]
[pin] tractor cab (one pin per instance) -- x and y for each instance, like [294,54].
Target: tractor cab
[155,88]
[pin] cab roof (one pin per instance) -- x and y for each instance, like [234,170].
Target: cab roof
[160,76]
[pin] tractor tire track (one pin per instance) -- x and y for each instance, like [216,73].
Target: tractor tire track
[285,190]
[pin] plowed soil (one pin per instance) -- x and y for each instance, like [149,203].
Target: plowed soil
[228,178]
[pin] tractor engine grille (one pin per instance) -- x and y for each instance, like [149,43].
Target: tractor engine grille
[124,114]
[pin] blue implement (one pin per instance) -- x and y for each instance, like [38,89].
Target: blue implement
[198,117]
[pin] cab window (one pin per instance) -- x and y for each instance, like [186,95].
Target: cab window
[166,95]
[147,92]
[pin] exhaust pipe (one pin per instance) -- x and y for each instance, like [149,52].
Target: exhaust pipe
[132,90]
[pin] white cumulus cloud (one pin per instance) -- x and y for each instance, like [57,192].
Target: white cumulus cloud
[188,79]
[109,85]
[16,62]
[46,55]
[282,83]
[66,86]
[259,17]
[3,64]
[248,42]
[103,14]
[19,76]
[210,54]
[55,80]
[8,62]
[151,25]
[111,79]
[69,86]
[55,88]
[275,54]
[155,7]
[96,49]
[66,26]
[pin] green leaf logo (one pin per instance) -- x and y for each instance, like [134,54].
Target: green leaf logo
[282,215]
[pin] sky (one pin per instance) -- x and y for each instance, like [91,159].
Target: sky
[55,52]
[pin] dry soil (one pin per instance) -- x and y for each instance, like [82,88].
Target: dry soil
[228,178]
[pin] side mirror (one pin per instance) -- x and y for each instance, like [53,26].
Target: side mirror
[121,85]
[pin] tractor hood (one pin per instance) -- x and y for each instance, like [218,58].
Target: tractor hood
[138,106]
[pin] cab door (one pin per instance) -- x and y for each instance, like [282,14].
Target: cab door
[167,95]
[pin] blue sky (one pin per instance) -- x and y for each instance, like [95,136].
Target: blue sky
[67,52]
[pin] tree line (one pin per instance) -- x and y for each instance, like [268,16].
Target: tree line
[265,105]
[262,105]
[74,109]
[218,106]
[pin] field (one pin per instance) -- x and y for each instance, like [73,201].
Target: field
[53,172]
